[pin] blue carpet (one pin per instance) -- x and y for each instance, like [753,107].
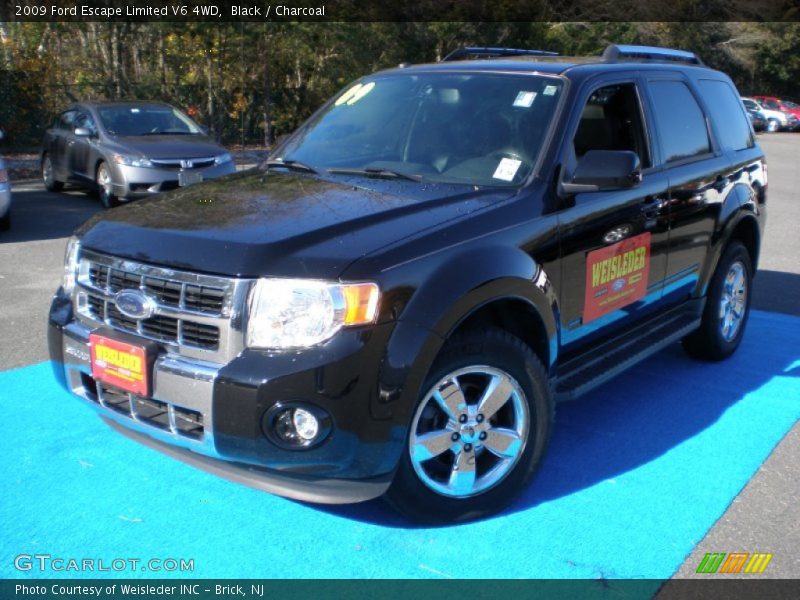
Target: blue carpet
[636,475]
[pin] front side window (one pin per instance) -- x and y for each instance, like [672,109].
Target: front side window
[612,120]
[750,104]
[681,125]
[66,119]
[129,121]
[85,121]
[470,128]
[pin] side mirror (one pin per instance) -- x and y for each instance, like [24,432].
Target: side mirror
[83,132]
[600,170]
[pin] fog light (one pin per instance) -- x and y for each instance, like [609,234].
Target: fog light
[296,427]
[305,424]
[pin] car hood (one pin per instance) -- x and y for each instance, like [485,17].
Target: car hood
[169,146]
[254,223]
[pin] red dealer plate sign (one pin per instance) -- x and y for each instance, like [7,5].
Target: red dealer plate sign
[616,276]
[119,364]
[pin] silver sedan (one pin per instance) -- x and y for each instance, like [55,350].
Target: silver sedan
[128,150]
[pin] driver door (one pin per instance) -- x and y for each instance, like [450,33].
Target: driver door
[613,243]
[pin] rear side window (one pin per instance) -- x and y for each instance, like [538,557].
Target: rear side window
[730,122]
[680,122]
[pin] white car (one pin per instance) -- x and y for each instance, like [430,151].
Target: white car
[776,119]
[5,195]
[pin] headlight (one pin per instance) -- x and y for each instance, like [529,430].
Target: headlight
[297,313]
[223,158]
[70,264]
[132,161]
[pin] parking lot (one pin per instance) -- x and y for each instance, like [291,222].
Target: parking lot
[763,517]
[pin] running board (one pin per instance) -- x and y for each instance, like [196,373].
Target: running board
[587,371]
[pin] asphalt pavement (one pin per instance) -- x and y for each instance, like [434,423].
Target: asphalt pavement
[764,517]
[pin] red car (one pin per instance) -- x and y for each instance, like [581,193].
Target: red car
[775,103]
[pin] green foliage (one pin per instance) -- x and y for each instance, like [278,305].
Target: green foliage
[250,82]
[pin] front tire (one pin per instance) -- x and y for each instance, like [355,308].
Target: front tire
[478,433]
[48,176]
[105,186]
[727,307]
[5,221]
[773,125]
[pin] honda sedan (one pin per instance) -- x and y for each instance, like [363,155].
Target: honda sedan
[128,150]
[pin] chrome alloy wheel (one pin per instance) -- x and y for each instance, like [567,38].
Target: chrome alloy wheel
[104,185]
[733,301]
[469,431]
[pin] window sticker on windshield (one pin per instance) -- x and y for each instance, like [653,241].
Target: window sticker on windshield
[549,90]
[525,99]
[507,168]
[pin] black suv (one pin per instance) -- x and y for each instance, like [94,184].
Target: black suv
[393,303]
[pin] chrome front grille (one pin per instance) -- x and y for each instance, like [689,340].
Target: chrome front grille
[196,315]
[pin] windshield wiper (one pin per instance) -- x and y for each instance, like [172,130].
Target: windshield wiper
[292,164]
[379,173]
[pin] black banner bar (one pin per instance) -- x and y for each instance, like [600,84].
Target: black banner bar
[214,11]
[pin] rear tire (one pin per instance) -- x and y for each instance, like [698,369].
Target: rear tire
[5,221]
[479,430]
[48,176]
[727,307]
[105,186]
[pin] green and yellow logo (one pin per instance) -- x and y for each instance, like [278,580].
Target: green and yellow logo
[735,562]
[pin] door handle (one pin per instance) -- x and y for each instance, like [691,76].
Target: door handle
[652,206]
[617,234]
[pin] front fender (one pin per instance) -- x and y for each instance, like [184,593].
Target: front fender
[444,299]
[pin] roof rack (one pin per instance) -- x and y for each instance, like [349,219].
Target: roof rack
[621,52]
[474,52]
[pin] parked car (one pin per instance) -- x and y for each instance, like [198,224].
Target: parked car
[757,119]
[776,120]
[128,150]
[775,103]
[5,194]
[395,301]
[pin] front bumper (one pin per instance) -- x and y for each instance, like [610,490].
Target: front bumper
[137,182]
[355,463]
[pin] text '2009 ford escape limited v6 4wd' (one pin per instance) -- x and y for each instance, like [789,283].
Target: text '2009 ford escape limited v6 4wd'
[394,302]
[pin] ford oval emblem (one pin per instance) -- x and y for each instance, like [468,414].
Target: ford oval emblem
[135,304]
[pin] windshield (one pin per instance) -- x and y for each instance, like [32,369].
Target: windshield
[790,104]
[146,120]
[478,129]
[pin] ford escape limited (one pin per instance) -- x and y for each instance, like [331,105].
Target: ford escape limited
[394,302]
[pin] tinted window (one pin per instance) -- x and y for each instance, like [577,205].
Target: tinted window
[726,114]
[772,104]
[750,104]
[680,122]
[612,120]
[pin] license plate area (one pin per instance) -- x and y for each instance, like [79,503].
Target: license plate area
[122,362]
[189,178]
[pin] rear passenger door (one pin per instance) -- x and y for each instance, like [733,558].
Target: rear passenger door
[699,175]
